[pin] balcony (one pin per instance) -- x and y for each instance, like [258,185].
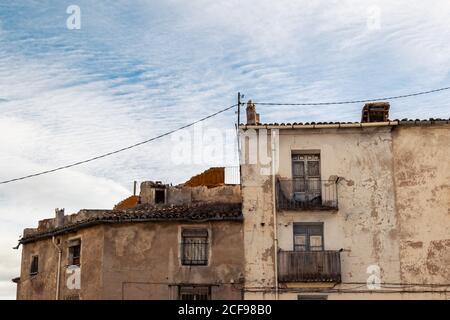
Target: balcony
[309,266]
[306,194]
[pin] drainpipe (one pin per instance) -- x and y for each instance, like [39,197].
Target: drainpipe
[58,270]
[274,212]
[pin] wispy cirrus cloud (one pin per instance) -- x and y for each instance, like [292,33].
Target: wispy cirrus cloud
[139,68]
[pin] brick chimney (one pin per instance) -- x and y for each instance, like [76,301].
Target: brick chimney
[375,112]
[252,116]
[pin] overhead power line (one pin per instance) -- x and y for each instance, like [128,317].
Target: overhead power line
[210,116]
[352,101]
[118,150]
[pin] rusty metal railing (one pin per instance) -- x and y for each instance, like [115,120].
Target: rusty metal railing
[298,194]
[309,266]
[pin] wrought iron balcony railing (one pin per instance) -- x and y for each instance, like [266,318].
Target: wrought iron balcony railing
[298,194]
[309,266]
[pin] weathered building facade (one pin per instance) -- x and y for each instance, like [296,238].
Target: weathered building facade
[324,211]
[167,243]
[346,210]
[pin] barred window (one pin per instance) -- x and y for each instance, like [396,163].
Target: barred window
[194,293]
[194,247]
[312,297]
[34,267]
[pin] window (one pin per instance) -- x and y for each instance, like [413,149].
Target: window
[34,267]
[306,174]
[160,196]
[308,236]
[194,292]
[75,252]
[194,247]
[312,297]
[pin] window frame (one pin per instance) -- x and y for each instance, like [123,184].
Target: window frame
[34,265]
[158,199]
[70,247]
[304,182]
[308,226]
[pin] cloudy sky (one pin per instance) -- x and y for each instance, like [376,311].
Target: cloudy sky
[136,69]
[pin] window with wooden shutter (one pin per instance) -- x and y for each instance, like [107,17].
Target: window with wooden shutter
[75,252]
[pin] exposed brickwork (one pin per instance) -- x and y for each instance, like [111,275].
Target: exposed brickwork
[212,177]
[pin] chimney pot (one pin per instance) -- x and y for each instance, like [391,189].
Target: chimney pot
[59,217]
[252,116]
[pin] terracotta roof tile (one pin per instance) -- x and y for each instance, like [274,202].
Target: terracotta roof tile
[430,121]
[144,213]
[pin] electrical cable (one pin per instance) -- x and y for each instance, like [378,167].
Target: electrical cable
[118,150]
[208,117]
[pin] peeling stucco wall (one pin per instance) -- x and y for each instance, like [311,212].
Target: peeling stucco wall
[43,285]
[137,261]
[149,255]
[365,225]
[223,194]
[258,226]
[394,203]
[185,195]
[422,178]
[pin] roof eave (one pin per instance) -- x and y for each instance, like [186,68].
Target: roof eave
[320,126]
[86,224]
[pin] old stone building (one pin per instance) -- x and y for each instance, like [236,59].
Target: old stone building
[183,242]
[346,210]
